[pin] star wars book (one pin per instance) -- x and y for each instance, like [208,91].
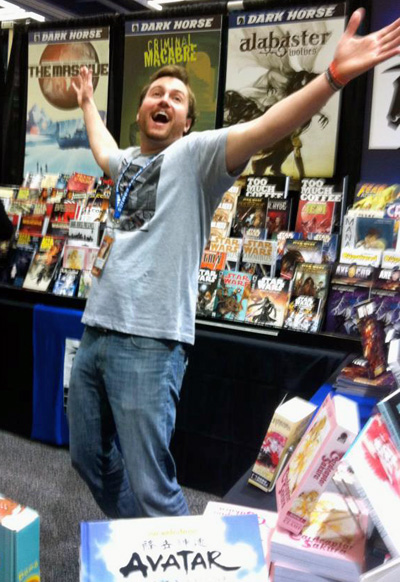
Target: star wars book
[213,260]
[332,545]
[232,247]
[350,285]
[375,461]
[299,251]
[251,212]
[268,302]
[19,542]
[278,215]
[221,223]
[309,291]
[271,55]
[44,265]
[288,424]
[201,548]
[330,245]
[207,288]
[67,282]
[258,257]
[232,295]
[321,206]
[313,462]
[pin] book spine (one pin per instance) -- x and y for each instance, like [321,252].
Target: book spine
[390,421]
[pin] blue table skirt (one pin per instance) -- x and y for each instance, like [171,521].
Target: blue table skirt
[51,327]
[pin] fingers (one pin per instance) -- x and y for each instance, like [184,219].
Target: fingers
[354,22]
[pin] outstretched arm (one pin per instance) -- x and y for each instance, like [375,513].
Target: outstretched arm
[354,55]
[100,139]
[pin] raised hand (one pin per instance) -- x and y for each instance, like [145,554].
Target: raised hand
[83,86]
[357,54]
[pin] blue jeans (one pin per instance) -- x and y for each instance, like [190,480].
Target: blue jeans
[128,386]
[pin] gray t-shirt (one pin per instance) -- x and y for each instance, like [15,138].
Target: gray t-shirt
[148,286]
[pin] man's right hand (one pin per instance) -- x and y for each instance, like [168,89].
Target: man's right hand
[83,86]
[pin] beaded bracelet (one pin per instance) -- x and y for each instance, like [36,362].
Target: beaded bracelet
[335,81]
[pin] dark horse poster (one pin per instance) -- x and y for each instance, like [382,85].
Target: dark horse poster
[385,110]
[271,54]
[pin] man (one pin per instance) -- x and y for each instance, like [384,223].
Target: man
[140,312]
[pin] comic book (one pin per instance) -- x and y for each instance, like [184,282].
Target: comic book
[350,285]
[321,206]
[385,293]
[35,219]
[258,257]
[221,223]
[213,260]
[299,251]
[83,232]
[312,464]
[278,215]
[66,282]
[79,257]
[60,218]
[85,283]
[232,295]
[44,265]
[20,258]
[371,198]
[232,247]
[79,182]
[268,302]
[207,288]
[251,212]
[199,548]
[330,245]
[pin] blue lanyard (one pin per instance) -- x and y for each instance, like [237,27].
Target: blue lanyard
[120,200]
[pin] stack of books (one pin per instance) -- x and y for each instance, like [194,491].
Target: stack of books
[354,378]
[331,547]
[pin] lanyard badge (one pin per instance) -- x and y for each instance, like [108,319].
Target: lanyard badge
[120,199]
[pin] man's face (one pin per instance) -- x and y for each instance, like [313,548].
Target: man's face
[162,116]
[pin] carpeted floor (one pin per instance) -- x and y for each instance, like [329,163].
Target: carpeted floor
[41,477]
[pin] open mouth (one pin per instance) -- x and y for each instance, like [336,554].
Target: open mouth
[160,117]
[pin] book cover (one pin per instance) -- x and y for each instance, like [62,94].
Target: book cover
[232,295]
[330,245]
[299,251]
[84,233]
[391,259]
[266,519]
[331,545]
[375,461]
[385,294]
[278,215]
[173,549]
[213,260]
[389,407]
[85,283]
[221,223]
[288,423]
[66,282]
[374,233]
[207,288]
[20,258]
[309,291]
[251,212]
[194,43]
[268,302]
[269,57]
[44,264]
[373,197]
[56,139]
[312,464]
[19,542]
[341,308]
[79,257]
[60,218]
[232,247]
[321,205]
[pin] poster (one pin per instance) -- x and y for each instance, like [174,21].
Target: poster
[151,44]
[271,54]
[56,139]
[385,109]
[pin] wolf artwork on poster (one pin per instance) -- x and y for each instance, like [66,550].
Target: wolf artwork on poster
[271,54]
[56,138]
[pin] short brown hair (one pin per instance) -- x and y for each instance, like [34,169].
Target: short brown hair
[181,74]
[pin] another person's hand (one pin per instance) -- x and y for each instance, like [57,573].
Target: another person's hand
[357,54]
[83,86]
